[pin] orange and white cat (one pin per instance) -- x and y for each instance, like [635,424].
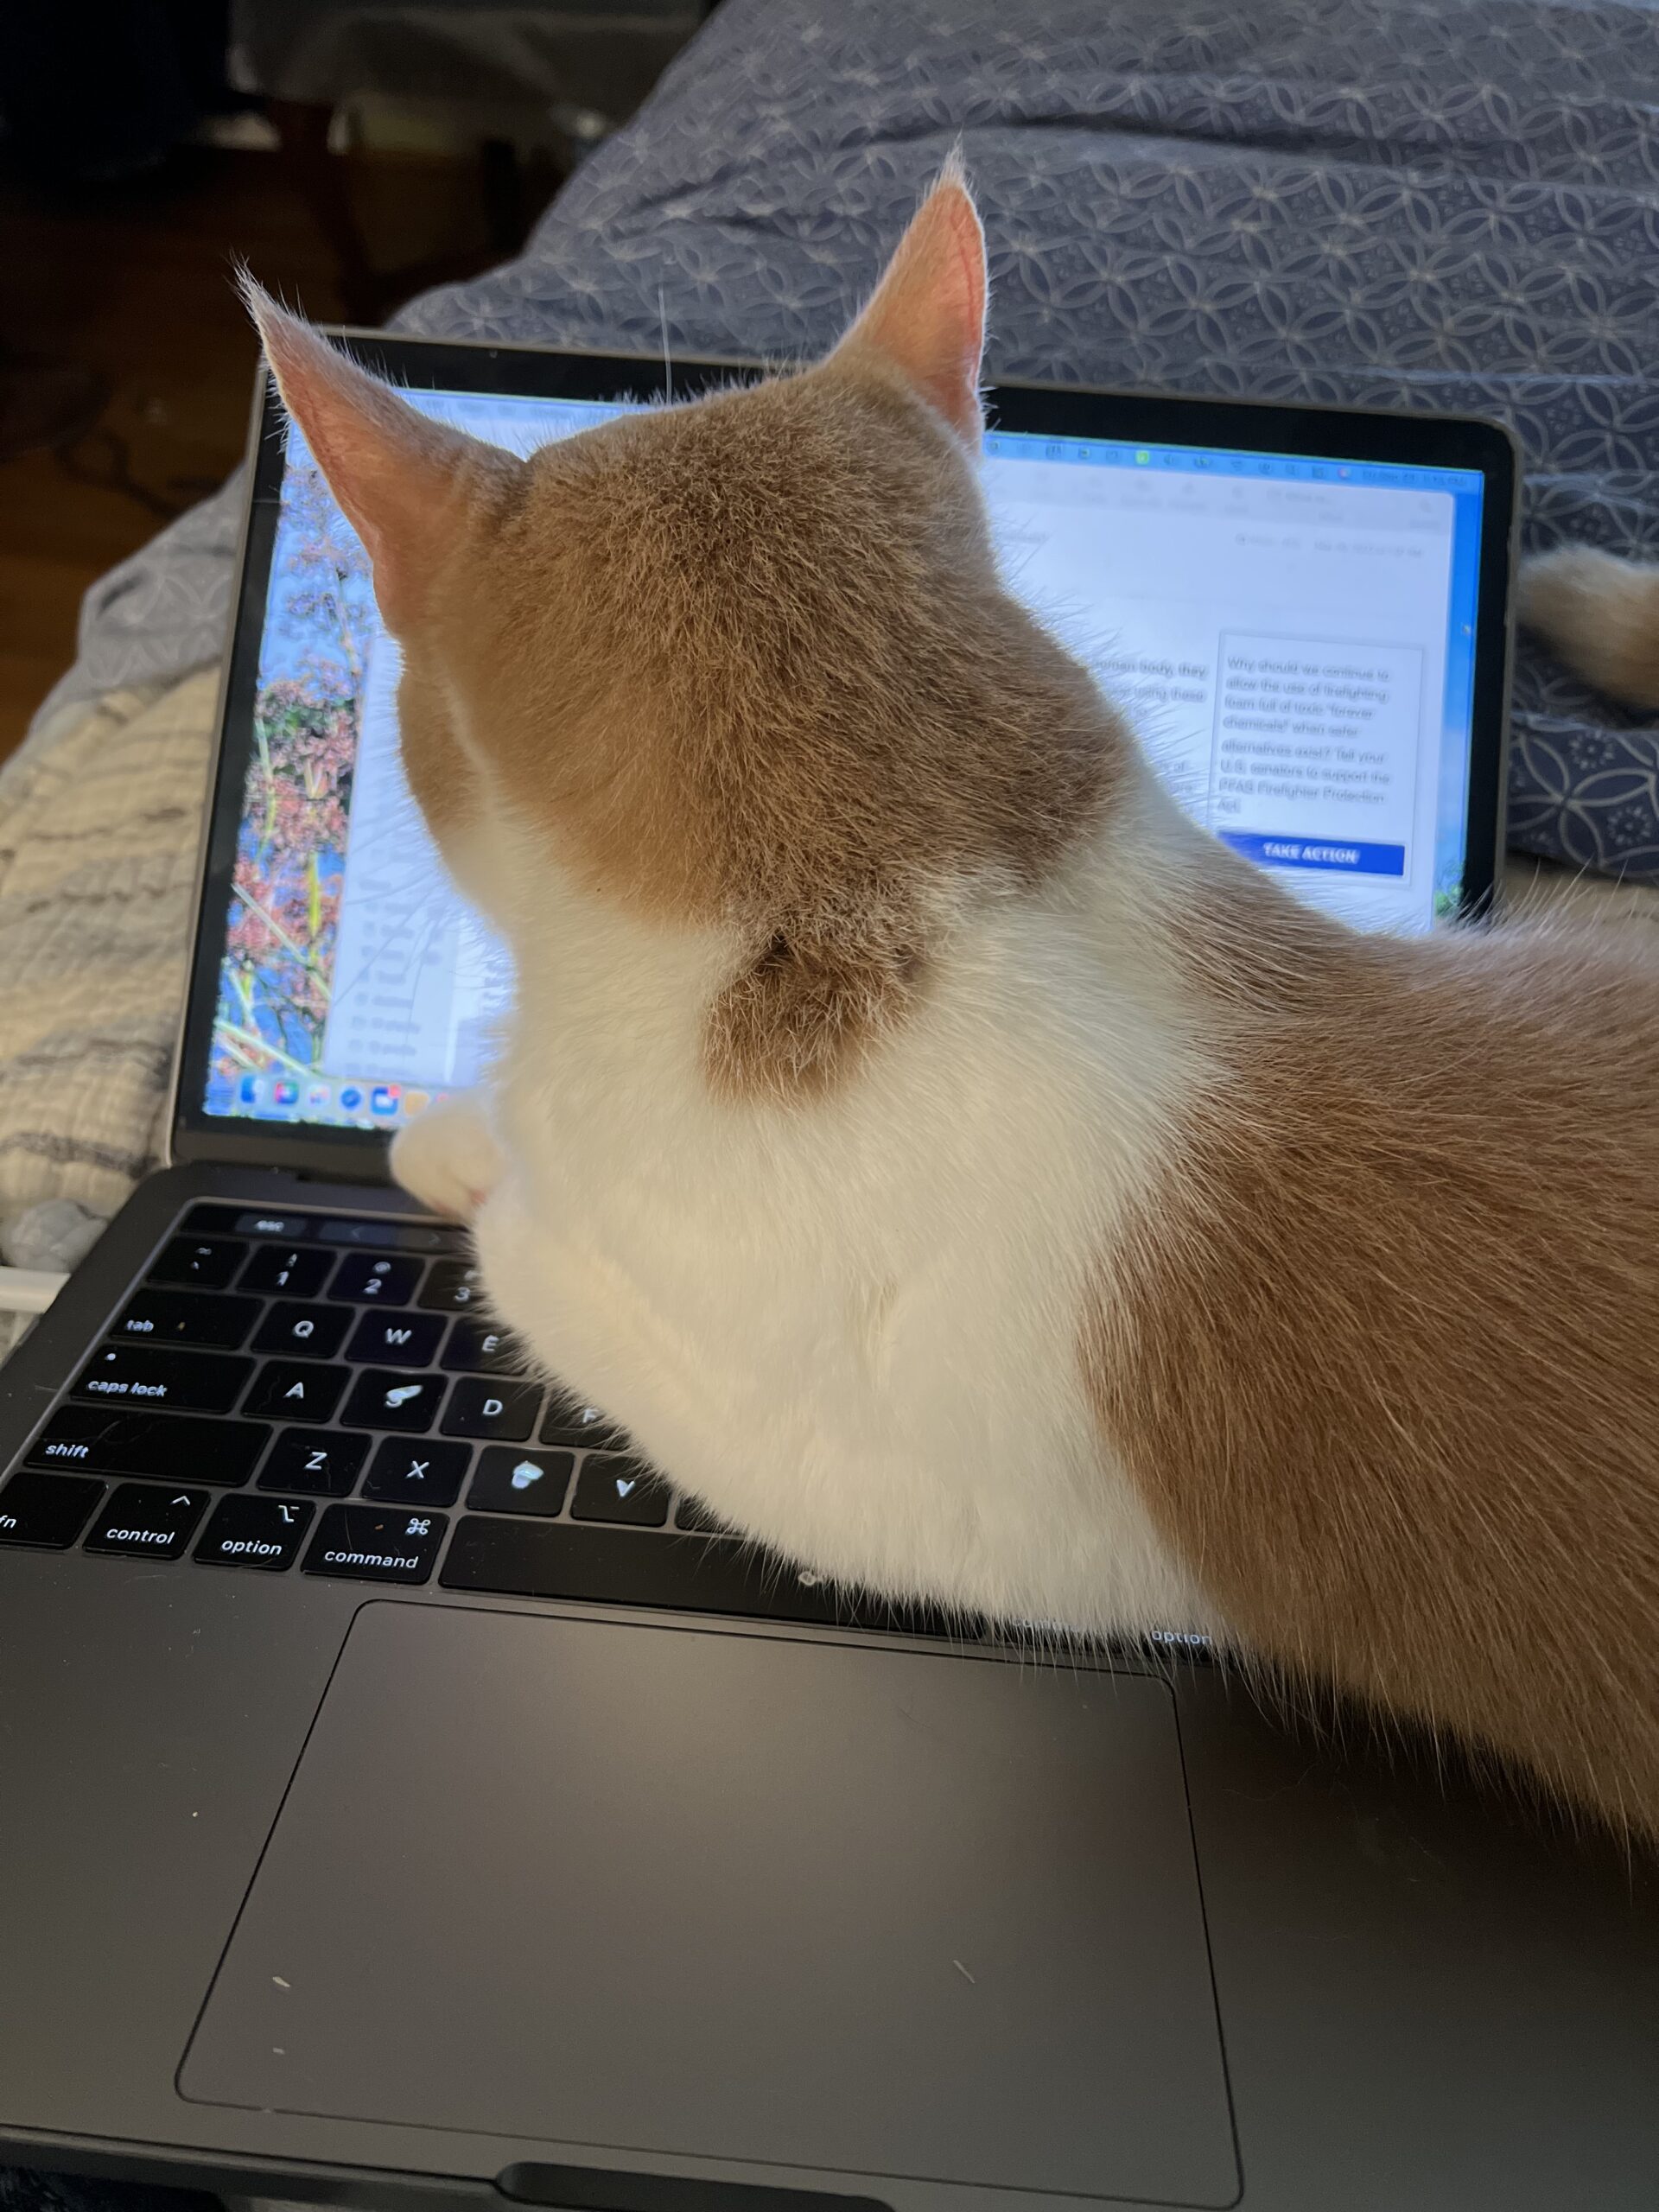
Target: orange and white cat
[947,1161]
[1601,614]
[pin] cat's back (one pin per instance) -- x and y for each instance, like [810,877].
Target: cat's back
[1384,1347]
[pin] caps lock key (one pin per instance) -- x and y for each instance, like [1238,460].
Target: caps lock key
[144,1375]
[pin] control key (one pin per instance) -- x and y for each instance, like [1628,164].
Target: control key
[145,1519]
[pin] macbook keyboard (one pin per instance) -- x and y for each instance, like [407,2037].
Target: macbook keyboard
[293,1393]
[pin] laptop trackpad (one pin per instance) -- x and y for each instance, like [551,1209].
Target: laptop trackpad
[704,1894]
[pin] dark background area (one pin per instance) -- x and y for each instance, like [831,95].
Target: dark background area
[145,145]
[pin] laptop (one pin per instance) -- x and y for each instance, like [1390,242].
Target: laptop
[407,1796]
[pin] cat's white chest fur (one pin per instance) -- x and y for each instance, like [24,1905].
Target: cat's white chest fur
[850,1327]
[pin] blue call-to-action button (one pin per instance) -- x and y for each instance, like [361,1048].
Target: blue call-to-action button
[1317,852]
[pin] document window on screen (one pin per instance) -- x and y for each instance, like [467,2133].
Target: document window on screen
[1292,639]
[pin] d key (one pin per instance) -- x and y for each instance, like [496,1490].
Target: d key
[505,1411]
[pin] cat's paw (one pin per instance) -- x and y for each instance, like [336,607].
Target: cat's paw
[449,1159]
[1600,613]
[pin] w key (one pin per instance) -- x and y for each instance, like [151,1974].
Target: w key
[134,1375]
[399,1339]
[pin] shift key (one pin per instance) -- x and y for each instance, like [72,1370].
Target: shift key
[143,1374]
[167,1447]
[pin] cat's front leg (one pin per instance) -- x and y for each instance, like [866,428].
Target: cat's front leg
[449,1159]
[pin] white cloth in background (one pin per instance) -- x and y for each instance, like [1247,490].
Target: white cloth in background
[98,832]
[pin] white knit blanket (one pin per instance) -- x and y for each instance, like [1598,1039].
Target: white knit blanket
[100,815]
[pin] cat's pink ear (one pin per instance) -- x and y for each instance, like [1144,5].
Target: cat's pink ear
[927,317]
[400,479]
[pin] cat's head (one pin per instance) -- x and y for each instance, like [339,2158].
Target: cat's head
[743,665]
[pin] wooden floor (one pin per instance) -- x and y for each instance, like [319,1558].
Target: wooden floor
[135,281]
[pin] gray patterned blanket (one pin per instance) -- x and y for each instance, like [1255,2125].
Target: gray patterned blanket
[1383,202]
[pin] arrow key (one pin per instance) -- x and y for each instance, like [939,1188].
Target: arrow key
[613,1487]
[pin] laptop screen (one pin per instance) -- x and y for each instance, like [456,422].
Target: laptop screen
[1293,639]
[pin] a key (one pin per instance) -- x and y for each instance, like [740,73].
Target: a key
[620,1489]
[302,1331]
[147,1519]
[476,1348]
[569,1422]
[372,1279]
[383,1398]
[286,1267]
[401,1339]
[136,1375]
[262,1532]
[171,1447]
[496,1409]
[613,1567]
[296,1389]
[186,1317]
[316,1462]
[376,1543]
[49,1511]
[519,1482]
[207,1263]
[452,1287]
[417,1472]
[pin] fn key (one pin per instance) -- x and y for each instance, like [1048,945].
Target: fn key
[48,1510]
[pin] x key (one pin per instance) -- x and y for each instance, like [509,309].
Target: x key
[410,1470]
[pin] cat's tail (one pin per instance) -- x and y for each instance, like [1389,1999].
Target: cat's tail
[1601,614]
